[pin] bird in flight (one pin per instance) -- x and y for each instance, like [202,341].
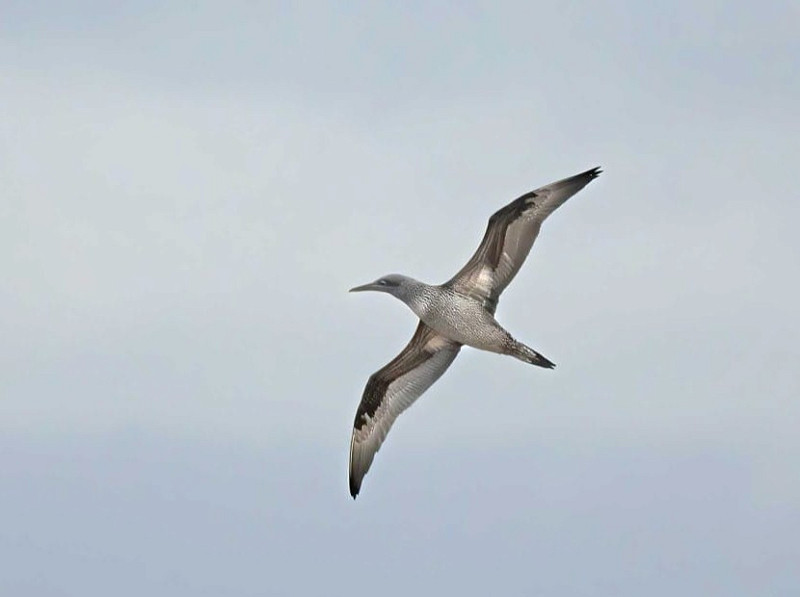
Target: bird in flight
[457,313]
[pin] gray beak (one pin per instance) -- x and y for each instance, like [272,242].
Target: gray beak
[370,286]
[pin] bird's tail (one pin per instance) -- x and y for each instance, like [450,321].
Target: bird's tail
[527,354]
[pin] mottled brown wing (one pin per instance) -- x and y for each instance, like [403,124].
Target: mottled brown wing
[393,389]
[510,236]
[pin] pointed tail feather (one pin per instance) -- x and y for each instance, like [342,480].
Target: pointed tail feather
[527,354]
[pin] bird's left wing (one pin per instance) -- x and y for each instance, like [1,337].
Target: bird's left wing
[509,237]
[393,389]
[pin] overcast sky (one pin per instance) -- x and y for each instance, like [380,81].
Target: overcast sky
[190,189]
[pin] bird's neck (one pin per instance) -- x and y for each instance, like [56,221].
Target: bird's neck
[419,296]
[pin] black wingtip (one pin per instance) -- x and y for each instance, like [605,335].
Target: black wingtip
[354,487]
[595,172]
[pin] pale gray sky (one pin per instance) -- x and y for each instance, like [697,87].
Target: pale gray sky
[190,190]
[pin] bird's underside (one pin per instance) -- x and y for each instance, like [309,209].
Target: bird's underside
[465,302]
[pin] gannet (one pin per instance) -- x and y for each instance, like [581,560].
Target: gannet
[457,313]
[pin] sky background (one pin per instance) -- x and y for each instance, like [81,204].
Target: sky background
[188,191]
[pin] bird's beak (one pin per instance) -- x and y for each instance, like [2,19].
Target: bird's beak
[370,286]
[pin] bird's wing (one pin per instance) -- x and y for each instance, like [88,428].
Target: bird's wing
[393,389]
[509,238]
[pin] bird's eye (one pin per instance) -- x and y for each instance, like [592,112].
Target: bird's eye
[382,282]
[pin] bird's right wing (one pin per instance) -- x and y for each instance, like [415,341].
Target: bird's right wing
[393,389]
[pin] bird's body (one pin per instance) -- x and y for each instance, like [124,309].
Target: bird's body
[458,312]
[459,317]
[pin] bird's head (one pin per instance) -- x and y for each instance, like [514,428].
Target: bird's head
[395,284]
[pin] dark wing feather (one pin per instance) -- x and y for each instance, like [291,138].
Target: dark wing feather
[510,236]
[393,389]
